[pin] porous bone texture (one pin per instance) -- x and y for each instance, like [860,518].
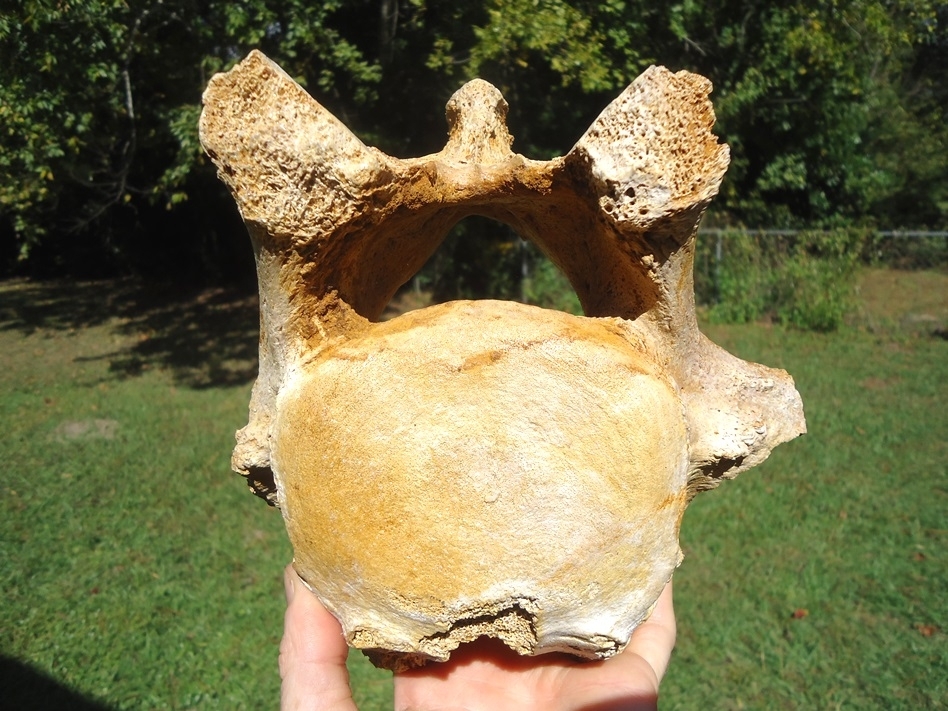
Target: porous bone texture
[485,468]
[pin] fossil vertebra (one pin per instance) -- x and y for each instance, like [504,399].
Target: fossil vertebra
[485,468]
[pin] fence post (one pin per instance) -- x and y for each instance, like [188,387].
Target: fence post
[717,267]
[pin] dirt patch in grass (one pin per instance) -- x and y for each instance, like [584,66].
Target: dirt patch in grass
[86,429]
[876,383]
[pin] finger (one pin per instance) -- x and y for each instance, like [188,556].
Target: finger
[312,653]
[654,639]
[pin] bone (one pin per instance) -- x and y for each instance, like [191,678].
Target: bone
[485,468]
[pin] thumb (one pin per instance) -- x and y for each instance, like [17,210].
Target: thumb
[312,653]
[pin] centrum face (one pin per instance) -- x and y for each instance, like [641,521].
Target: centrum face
[487,457]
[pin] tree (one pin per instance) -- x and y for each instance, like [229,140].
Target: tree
[100,100]
[812,96]
[835,111]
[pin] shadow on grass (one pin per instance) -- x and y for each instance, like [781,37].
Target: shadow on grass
[206,337]
[26,688]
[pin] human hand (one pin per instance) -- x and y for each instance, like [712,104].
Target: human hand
[482,675]
[312,653]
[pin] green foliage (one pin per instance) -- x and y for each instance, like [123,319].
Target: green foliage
[814,294]
[817,101]
[483,259]
[52,134]
[99,102]
[740,283]
[806,281]
[917,252]
[479,259]
[835,112]
[548,287]
[564,36]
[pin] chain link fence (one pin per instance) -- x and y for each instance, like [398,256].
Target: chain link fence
[803,278]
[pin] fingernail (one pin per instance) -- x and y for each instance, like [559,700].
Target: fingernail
[289,583]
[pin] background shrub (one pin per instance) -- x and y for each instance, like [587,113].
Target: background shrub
[804,279]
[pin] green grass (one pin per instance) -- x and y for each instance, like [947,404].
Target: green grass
[846,526]
[137,572]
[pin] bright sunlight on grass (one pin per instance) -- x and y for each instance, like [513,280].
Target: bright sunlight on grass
[138,573]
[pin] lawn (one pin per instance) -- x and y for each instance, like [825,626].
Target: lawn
[138,573]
